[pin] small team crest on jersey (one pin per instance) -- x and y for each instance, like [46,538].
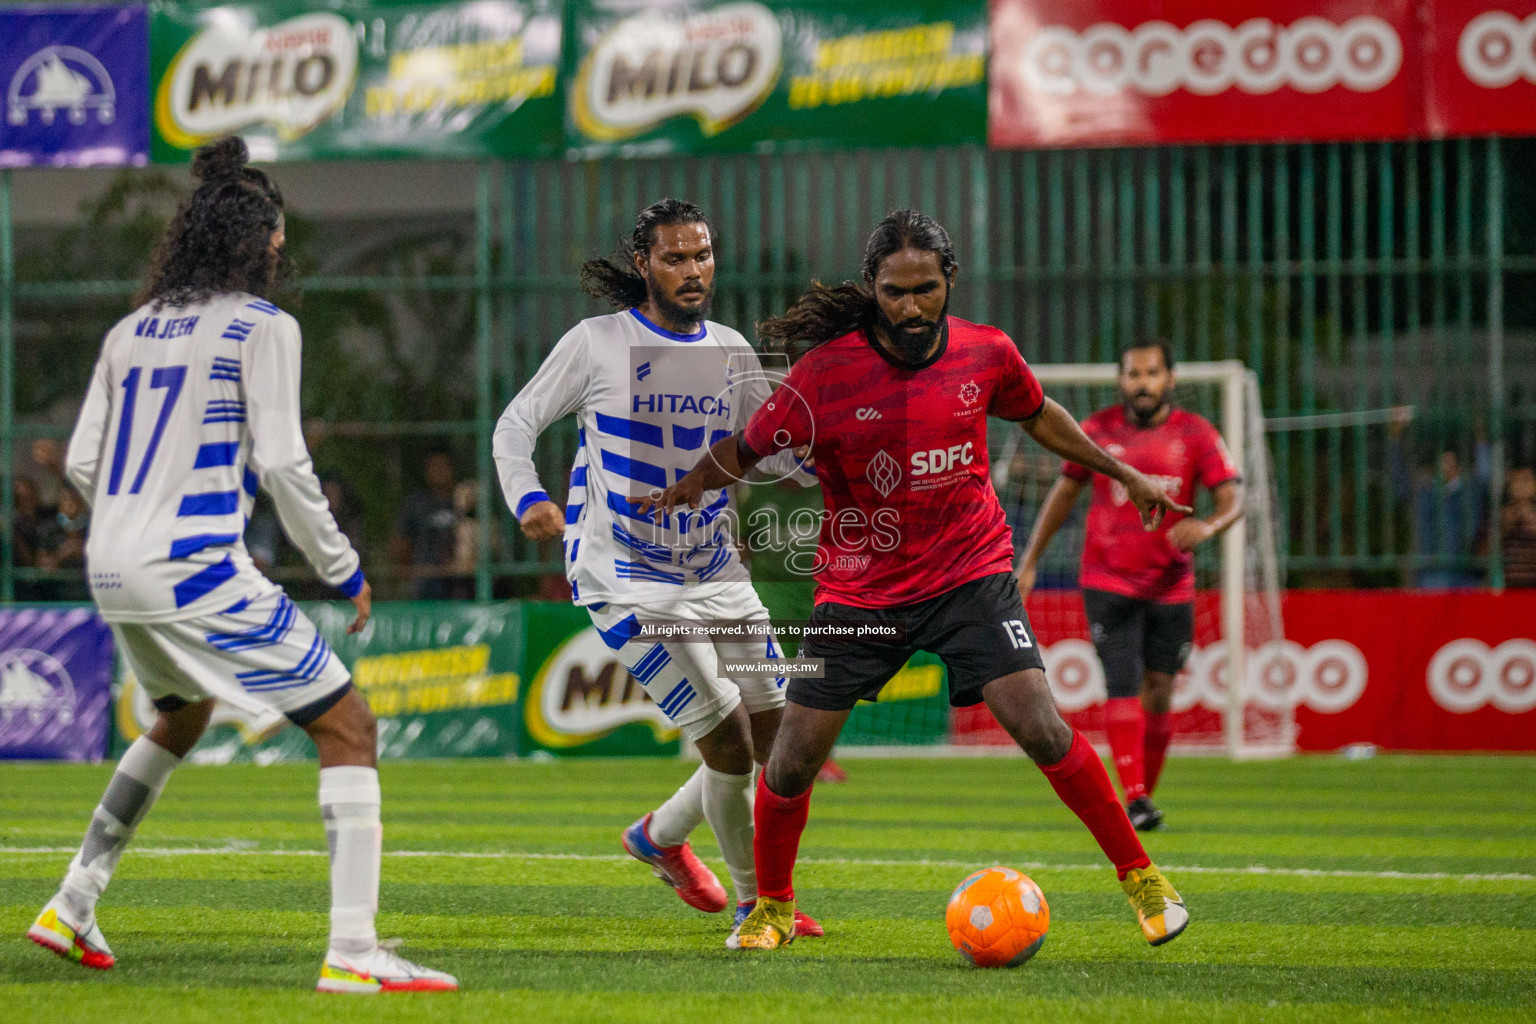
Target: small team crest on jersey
[1176,449]
[1117,450]
[884,473]
[970,391]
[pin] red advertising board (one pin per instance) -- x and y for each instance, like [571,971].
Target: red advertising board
[1130,72]
[1404,670]
[1481,61]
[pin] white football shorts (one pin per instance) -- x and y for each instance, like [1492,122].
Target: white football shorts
[683,677]
[256,655]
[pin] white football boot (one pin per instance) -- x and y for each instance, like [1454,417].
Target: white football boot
[382,970]
[80,941]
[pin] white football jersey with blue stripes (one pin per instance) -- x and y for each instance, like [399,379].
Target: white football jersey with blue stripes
[649,402]
[189,410]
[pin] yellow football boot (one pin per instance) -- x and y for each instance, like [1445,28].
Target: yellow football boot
[1158,908]
[770,925]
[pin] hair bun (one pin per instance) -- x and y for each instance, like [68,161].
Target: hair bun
[220,160]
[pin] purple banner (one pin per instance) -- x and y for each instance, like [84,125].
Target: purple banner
[55,683]
[76,85]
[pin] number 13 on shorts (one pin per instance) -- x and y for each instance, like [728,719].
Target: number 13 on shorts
[1018,635]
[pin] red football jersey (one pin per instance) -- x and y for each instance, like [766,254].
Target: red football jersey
[902,457]
[1118,554]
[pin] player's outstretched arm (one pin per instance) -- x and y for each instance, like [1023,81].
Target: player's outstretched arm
[726,462]
[1055,429]
[1058,505]
[1188,534]
[558,389]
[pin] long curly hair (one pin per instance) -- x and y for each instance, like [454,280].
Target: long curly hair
[825,313]
[220,239]
[616,280]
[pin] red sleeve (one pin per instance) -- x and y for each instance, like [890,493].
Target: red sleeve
[1018,395]
[787,419]
[1215,466]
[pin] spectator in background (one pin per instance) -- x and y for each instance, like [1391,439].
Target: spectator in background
[346,509]
[426,535]
[28,516]
[61,546]
[1517,529]
[1449,511]
[47,470]
[272,552]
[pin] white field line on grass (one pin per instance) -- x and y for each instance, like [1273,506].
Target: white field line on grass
[1194,869]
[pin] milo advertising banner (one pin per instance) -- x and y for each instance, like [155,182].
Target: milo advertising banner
[697,76]
[579,698]
[358,79]
[443,678]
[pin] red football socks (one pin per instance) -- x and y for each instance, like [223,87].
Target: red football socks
[1159,732]
[1125,724]
[779,822]
[1083,785]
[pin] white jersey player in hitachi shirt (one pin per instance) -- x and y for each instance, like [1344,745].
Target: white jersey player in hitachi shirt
[193,405]
[653,386]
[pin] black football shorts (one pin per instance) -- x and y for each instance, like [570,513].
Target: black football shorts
[1133,635]
[979,629]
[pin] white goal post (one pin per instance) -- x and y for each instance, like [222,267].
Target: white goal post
[1249,572]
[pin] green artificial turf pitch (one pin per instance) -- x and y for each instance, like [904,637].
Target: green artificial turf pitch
[1321,890]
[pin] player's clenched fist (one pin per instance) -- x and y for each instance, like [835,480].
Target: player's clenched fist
[542,521]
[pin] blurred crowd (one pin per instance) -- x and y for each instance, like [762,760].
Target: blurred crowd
[434,537]
[431,554]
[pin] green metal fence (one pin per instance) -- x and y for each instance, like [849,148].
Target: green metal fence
[1357,279]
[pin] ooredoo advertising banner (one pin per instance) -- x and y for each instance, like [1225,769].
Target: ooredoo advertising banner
[1404,670]
[1132,72]
[698,76]
[76,82]
[356,79]
[55,683]
[1481,57]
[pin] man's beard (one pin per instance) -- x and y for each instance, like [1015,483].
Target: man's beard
[1145,419]
[676,312]
[913,346]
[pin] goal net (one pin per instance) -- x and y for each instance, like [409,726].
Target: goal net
[1233,693]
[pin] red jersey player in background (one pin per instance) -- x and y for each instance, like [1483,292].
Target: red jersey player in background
[1139,586]
[893,399]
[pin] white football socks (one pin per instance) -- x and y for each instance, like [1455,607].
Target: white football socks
[135,786]
[349,803]
[728,809]
[674,821]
